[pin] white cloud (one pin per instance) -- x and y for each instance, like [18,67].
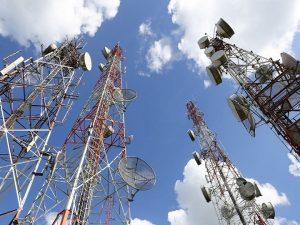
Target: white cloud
[206,83]
[257,28]
[145,29]
[34,22]
[284,221]
[194,210]
[159,54]
[137,221]
[50,217]
[294,168]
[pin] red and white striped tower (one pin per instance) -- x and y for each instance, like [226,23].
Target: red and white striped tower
[92,180]
[270,89]
[234,197]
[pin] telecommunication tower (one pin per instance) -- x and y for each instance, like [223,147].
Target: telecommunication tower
[35,96]
[91,179]
[234,197]
[269,89]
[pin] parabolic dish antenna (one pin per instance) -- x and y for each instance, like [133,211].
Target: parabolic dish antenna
[264,73]
[219,58]
[206,193]
[214,74]
[123,95]
[85,61]
[247,191]
[197,158]
[137,173]
[250,125]
[223,29]
[239,106]
[203,42]
[240,181]
[105,52]
[290,62]
[209,51]
[227,211]
[268,210]
[191,134]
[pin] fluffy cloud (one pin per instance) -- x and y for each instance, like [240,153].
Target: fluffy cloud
[34,22]
[257,28]
[159,54]
[137,221]
[194,210]
[206,83]
[145,29]
[294,168]
[284,221]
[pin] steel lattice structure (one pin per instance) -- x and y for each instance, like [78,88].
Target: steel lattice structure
[35,95]
[271,87]
[91,179]
[233,197]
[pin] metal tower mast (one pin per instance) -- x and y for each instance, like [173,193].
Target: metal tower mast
[271,88]
[35,95]
[232,195]
[91,180]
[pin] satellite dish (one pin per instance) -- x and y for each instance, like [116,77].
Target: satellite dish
[214,74]
[239,106]
[240,181]
[209,51]
[136,173]
[223,29]
[264,73]
[206,193]
[101,67]
[203,42]
[227,211]
[51,48]
[191,134]
[290,62]
[247,191]
[219,58]
[123,95]
[105,52]
[257,191]
[268,210]
[109,130]
[85,61]
[197,158]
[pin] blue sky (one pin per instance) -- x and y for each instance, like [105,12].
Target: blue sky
[165,67]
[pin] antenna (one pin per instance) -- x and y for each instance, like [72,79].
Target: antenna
[92,180]
[234,197]
[35,96]
[270,96]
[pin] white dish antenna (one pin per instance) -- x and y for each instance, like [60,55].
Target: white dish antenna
[290,62]
[241,181]
[206,193]
[209,51]
[197,157]
[268,210]
[264,73]
[227,211]
[223,29]
[247,191]
[101,67]
[214,74]
[239,106]
[123,95]
[136,173]
[191,134]
[109,130]
[85,61]
[51,48]
[219,58]
[105,52]
[203,42]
